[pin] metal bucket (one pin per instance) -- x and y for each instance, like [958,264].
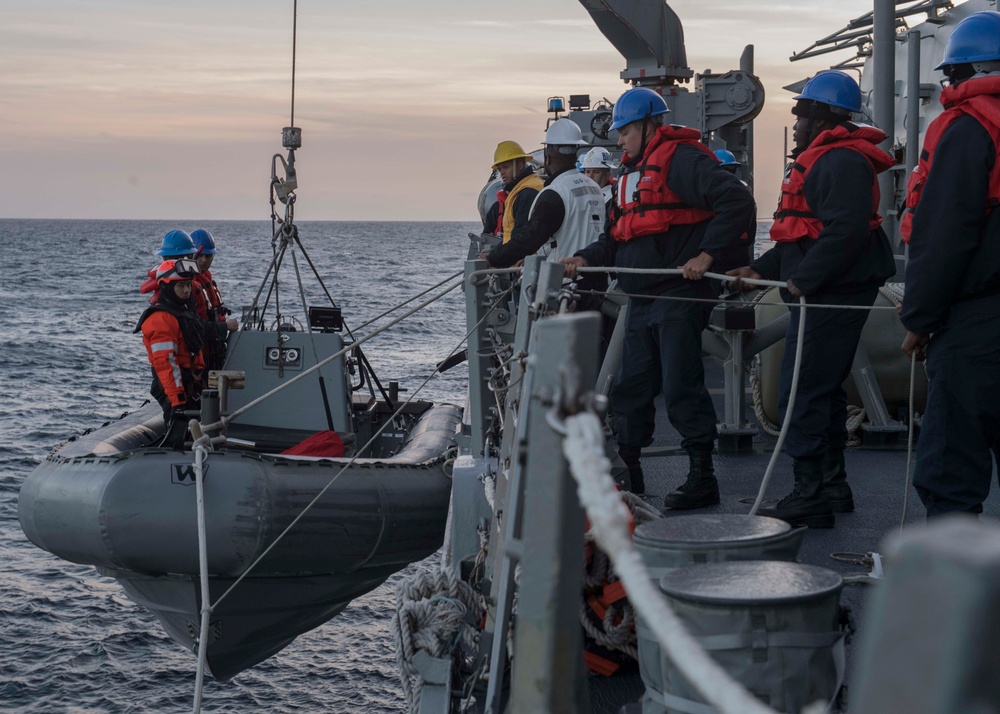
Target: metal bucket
[669,543]
[774,626]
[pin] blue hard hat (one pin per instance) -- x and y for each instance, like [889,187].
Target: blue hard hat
[834,88]
[635,104]
[975,39]
[726,158]
[176,243]
[204,243]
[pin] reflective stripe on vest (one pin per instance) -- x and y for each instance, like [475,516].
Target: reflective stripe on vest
[584,218]
[979,99]
[794,219]
[644,204]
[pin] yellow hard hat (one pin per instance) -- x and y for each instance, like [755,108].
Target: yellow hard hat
[508,150]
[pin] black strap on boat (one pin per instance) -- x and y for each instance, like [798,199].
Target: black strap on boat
[326,402]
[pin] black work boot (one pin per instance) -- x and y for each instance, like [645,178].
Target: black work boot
[806,505]
[630,455]
[700,489]
[835,486]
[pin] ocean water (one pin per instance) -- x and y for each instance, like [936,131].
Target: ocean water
[70,641]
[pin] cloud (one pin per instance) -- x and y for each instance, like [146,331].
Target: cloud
[188,97]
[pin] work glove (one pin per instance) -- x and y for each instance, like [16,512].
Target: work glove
[176,427]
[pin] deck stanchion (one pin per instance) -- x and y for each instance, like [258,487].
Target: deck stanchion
[479,358]
[548,672]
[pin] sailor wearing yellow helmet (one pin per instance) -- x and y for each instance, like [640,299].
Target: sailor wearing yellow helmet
[509,214]
[568,213]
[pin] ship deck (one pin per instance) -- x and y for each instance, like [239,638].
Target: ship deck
[881,494]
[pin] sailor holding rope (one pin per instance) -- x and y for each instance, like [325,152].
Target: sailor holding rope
[951,308]
[830,247]
[674,207]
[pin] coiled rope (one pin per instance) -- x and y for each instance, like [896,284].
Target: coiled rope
[433,612]
[617,629]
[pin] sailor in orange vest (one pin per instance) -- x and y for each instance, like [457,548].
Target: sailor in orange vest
[208,302]
[674,207]
[509,215]
[173,336]
[831,248]
[951,307]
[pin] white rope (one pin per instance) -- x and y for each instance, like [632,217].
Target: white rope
[909,443]
[855,418]
[788,410]
[201,446]
[620,637]
[609,518]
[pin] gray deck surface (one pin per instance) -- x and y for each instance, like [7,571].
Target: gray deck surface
[877,477]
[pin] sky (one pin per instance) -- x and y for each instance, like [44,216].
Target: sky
[145,109]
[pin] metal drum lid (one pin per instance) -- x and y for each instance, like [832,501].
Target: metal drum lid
[750,583]
[701,529]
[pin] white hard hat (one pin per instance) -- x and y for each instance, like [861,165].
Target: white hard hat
[597,158]
[564,132]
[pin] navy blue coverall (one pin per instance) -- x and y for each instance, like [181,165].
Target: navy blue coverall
[662,346]
[953,294]
[845,265]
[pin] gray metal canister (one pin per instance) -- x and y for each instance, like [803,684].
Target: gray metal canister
[774,626]
[669,543]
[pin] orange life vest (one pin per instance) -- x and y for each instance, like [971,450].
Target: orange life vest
[979,99]
[207,298]
[794,219]
[644,204]
[501,200]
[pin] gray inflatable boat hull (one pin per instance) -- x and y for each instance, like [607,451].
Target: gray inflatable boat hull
[133,515]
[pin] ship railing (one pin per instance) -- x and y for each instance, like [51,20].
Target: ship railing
[542,516]
[532,508]
[543,279]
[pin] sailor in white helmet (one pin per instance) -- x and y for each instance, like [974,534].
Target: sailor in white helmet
[598,165]
[568,213]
